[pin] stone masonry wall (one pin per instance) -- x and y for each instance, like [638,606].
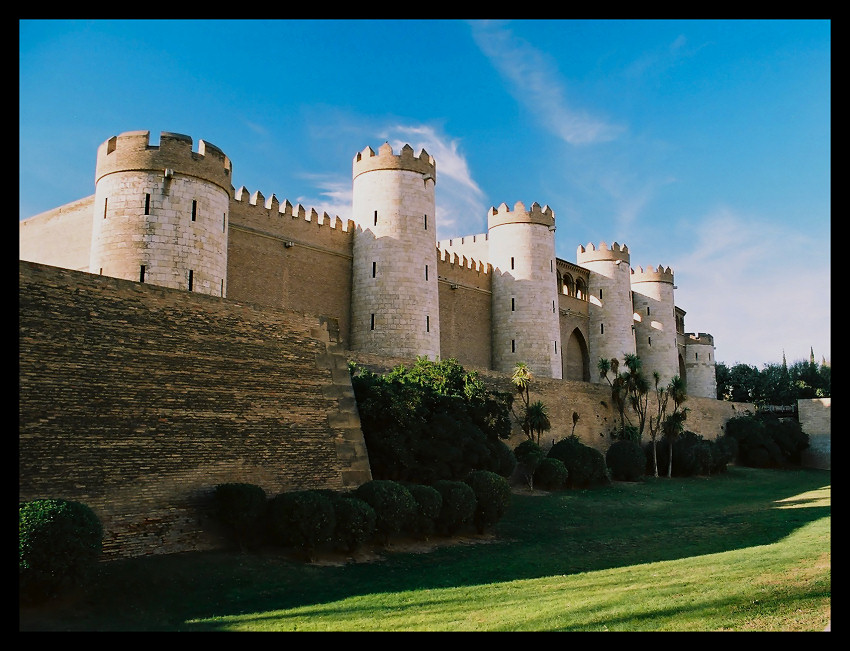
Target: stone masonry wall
[60,237]
[290,259]
[137,400]
[815,419]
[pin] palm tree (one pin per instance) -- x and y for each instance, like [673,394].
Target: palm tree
[618,386]
[675,422]
[537,419]
[655,423]
[522,381]
[637,388]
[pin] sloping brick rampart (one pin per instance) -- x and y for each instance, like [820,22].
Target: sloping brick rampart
[138,400]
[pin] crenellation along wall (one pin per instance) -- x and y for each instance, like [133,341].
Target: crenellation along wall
[292,259]
[465,305]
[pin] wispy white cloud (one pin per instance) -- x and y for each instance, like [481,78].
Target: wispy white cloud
[758,287]
[460,206]
[534,81]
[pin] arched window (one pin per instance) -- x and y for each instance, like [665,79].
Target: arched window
[581,289]
[569,286]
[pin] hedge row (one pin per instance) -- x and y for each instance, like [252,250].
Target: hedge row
[311,520]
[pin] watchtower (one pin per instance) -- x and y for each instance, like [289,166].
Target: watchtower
[701,378]
[610,312]
[655,322]
[161,212]
[524,289]
[394,296]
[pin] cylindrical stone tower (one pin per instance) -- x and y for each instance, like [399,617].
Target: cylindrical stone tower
[701,377]
[524,289]
[655,323]
[610,312]
[395,308]
[161,212]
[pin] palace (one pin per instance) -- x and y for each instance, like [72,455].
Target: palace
[169,216]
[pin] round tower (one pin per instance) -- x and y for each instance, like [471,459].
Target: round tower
[701,378]
[610,312]
[524,289]
[395,309]
[161,212]
[655,323]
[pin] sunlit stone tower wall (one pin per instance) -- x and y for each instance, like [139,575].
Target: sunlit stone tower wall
[161,212]
[610,313]
[394,296]
[655,323]
[700,365]
[524,289]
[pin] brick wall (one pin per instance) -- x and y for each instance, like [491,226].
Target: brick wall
[138,400]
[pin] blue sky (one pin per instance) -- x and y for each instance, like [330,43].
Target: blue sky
[702,145]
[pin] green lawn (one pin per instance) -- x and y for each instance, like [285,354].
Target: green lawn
[748,550]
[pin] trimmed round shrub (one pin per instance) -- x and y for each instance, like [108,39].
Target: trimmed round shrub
[626,460]
[59,544]
[551,474]
[723,452]
[304,520]
[691,455]
[459,504]
[394,506]
[528,456]
[505,459]
[355,522]
[240,508]
[428,505]
[585,465]
[492,497]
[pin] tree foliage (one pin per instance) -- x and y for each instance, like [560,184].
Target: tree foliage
[432,421]
[766,441]
[774,384]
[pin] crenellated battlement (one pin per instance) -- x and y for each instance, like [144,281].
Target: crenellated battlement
[132,151]
[460,271]
[702,338]
[602,253]
[519,215]
[283,219]
[461,261]
[368,161]
[652,275]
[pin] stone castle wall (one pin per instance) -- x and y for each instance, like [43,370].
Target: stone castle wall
[137,400]
[60,237]
[815,419]
[287,257]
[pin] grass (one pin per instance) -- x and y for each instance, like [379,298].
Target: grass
[748,550]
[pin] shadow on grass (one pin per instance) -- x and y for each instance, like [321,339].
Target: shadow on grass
[559,533]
